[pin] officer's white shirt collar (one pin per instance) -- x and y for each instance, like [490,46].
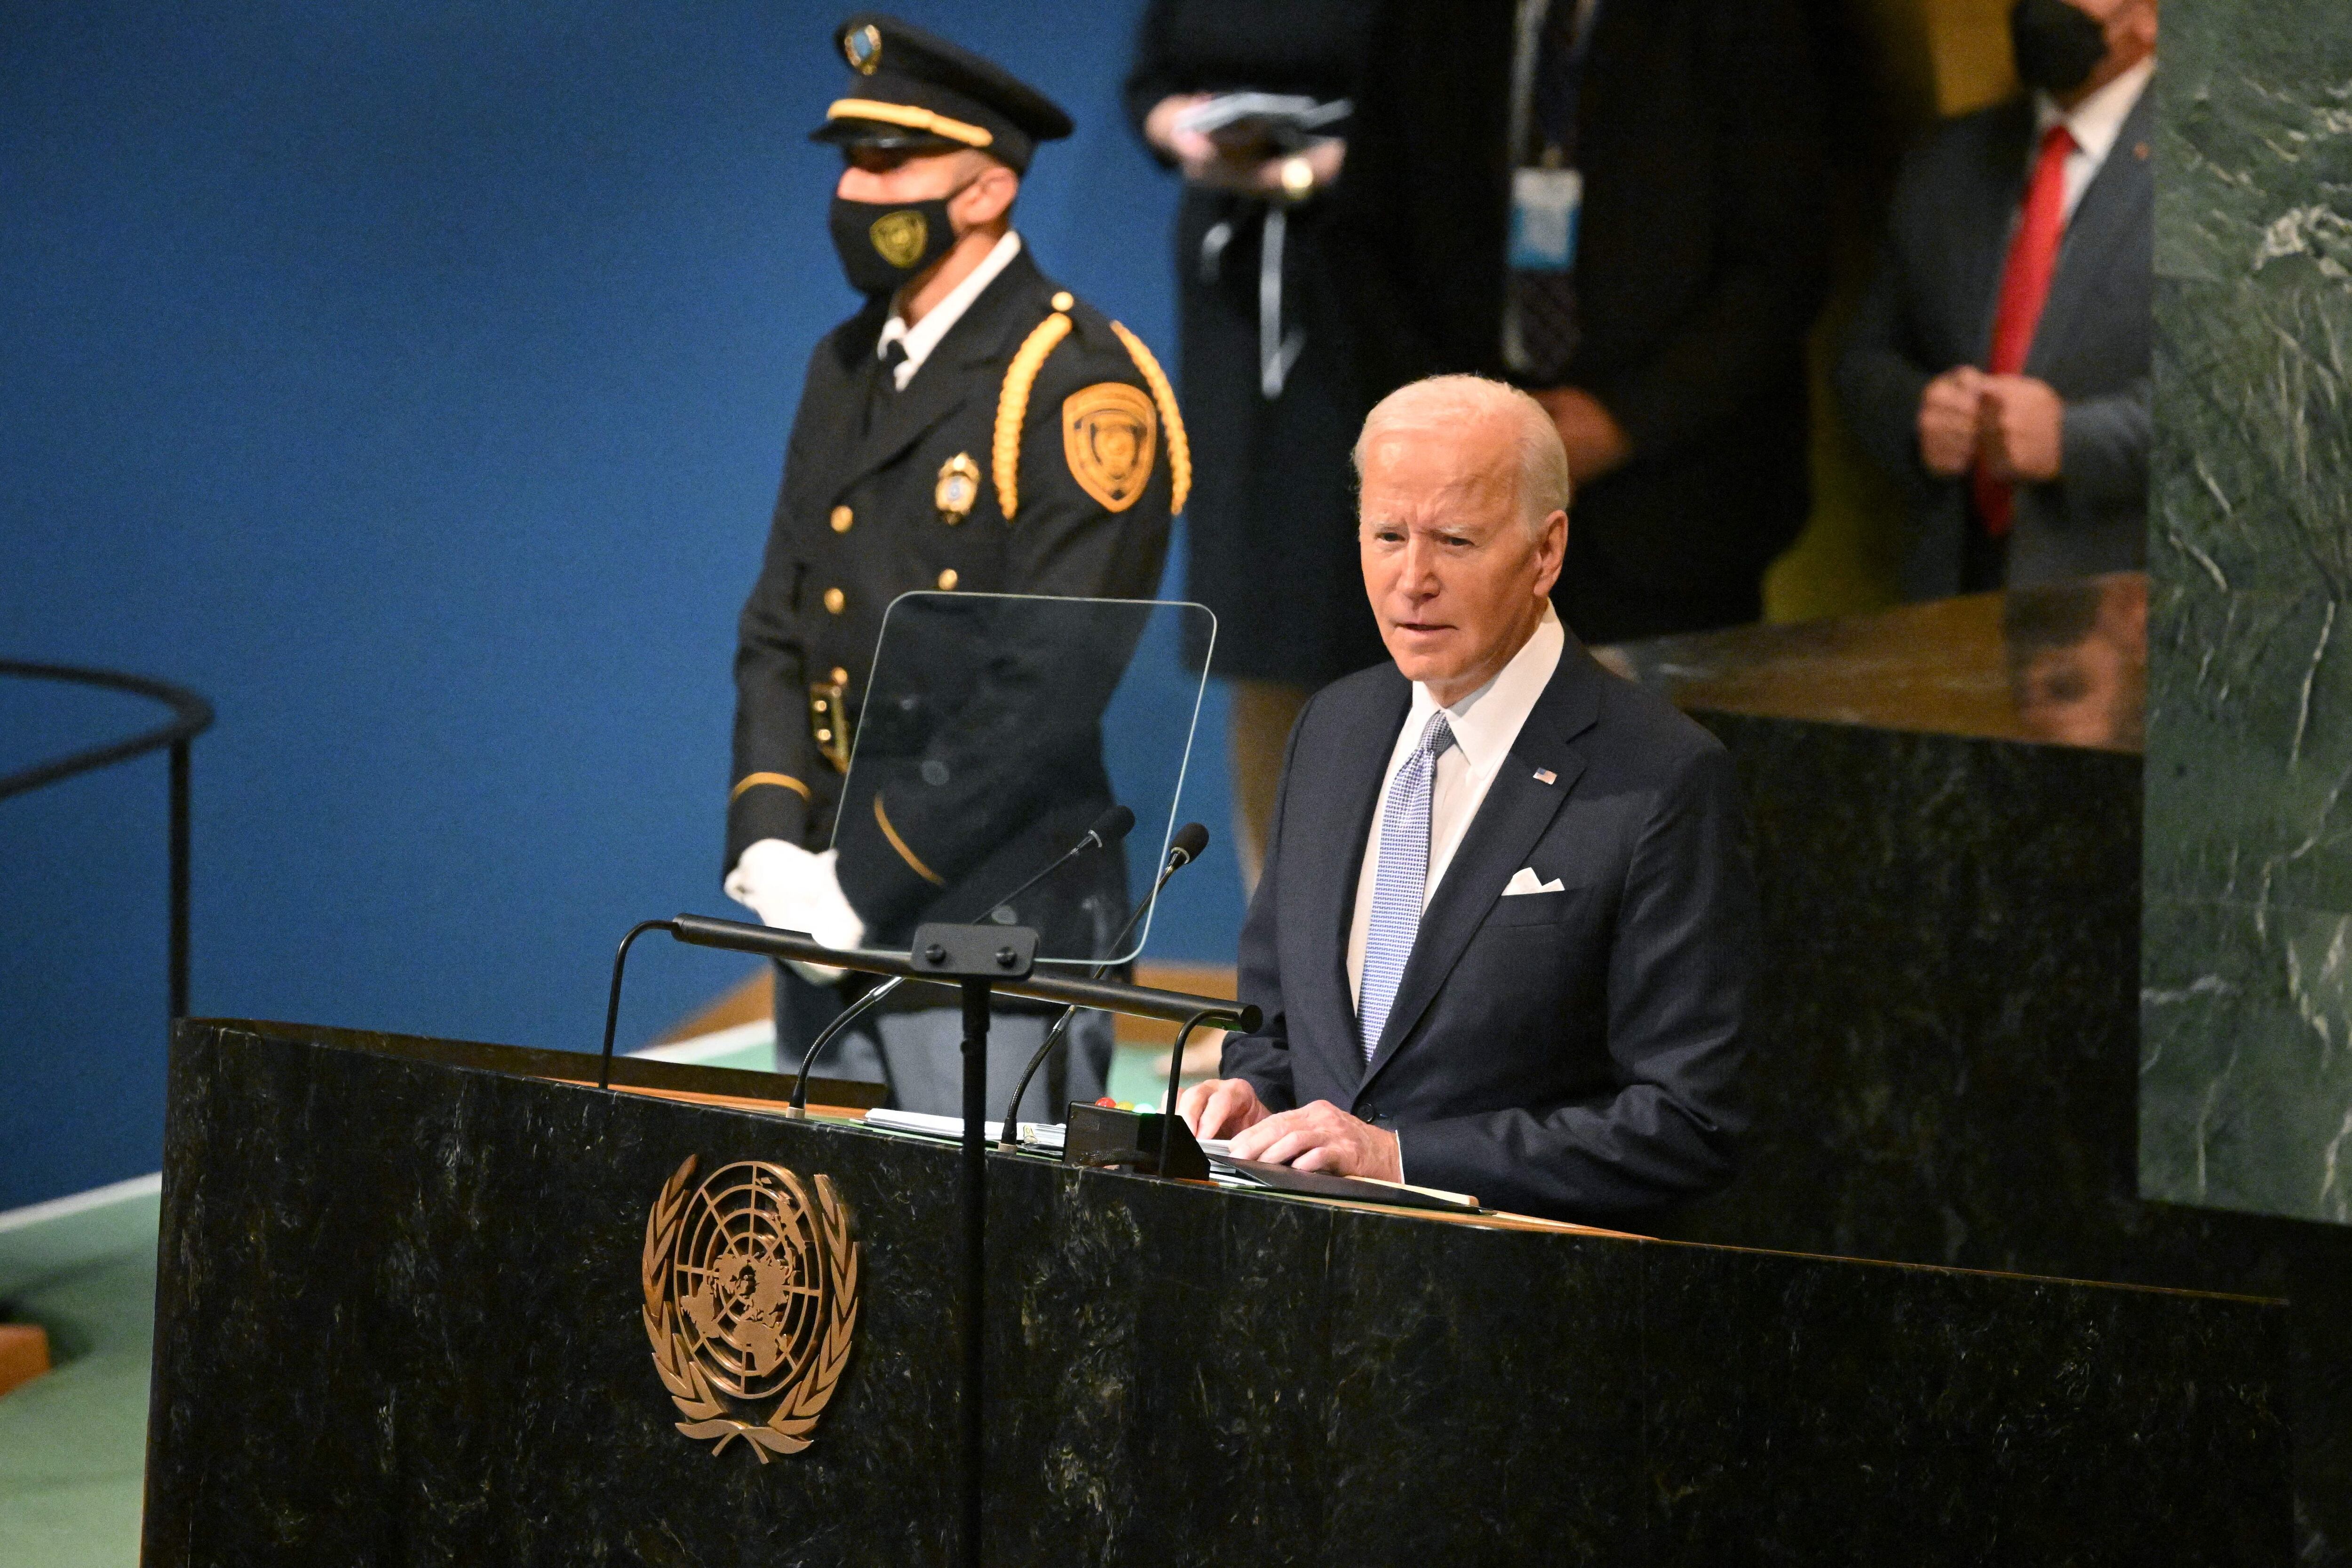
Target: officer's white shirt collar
[2094,123]
[924,336]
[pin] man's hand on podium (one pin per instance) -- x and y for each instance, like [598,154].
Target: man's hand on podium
[1220,1107]
[1316,1137]
[793,889]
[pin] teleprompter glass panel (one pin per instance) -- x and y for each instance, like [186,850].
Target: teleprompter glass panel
[978,759]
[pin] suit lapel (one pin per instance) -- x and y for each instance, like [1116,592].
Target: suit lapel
[982,335]
[1343,812]
[1517,811]
[2000,191]
[2113,209]
[829,414]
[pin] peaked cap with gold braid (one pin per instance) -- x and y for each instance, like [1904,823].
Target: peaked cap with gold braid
[1109,402]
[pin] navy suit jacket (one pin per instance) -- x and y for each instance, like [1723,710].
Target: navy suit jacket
[1931,308]
[1573,1054]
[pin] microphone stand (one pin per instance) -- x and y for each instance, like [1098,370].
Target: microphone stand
[1008,1136]
[1108,829]
[984,959]
[825,1037]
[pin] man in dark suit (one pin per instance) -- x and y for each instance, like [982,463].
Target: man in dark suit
[974,428]
[1618,206]
[1504,937]
[1998,365]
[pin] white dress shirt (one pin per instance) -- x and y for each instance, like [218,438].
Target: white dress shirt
[1484,724]
[2094,123]
[924,336]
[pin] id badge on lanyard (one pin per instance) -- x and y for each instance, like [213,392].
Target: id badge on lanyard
[1548,191]
[1545,206]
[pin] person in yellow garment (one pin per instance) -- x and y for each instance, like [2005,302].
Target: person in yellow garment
[974,427]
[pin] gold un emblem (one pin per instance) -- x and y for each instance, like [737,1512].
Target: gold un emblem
[751,1295]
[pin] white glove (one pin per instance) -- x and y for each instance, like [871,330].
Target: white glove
[793,889]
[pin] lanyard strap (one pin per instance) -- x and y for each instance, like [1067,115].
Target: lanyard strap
[1548,80]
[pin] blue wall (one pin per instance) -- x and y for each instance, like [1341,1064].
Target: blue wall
[411,380]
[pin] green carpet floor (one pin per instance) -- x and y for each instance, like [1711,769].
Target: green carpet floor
[73,1444]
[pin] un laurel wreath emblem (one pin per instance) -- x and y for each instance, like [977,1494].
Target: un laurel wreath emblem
[750,1301]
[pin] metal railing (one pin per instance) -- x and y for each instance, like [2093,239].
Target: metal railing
[191,716]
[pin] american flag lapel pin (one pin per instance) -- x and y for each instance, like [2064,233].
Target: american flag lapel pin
[1546,776]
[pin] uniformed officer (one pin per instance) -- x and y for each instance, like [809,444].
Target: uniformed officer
[974,428]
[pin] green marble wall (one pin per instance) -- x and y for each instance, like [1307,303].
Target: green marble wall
[2246,1006]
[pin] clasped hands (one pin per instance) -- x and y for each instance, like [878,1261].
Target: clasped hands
[2014,424]
[1316,1137]
[791,889]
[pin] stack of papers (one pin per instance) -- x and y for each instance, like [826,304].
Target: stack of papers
[1037,1135]
[1223,1169]
[1226,1171]
[932,1126]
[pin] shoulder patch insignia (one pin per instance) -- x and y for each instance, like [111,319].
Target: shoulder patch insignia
[1110,436]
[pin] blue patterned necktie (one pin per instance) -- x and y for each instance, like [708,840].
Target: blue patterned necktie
[1403,879]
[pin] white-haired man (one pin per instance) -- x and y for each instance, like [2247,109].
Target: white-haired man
[1504,934]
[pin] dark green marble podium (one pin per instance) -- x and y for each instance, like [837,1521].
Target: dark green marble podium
[1944,813]
[399,1321]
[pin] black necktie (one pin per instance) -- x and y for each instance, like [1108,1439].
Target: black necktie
[884,387]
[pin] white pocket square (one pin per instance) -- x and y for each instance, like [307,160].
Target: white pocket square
[1524,881]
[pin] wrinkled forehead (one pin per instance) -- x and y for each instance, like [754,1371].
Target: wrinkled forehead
[1416,463]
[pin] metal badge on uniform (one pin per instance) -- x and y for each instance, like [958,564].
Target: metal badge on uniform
[1545,206]
[1110,437]
[958,489]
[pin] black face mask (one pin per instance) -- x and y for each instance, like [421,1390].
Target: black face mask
[883,244]
[2057,46]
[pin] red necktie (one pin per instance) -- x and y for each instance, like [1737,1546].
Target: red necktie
[2024,284]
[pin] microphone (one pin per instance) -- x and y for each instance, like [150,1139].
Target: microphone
[1107,829]
[1110,828]
[1184,849]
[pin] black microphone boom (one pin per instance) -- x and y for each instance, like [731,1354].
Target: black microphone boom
[1186,846]
[874,997]
[767,942]
[1182,851]
[1107,829]
[1111,826]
